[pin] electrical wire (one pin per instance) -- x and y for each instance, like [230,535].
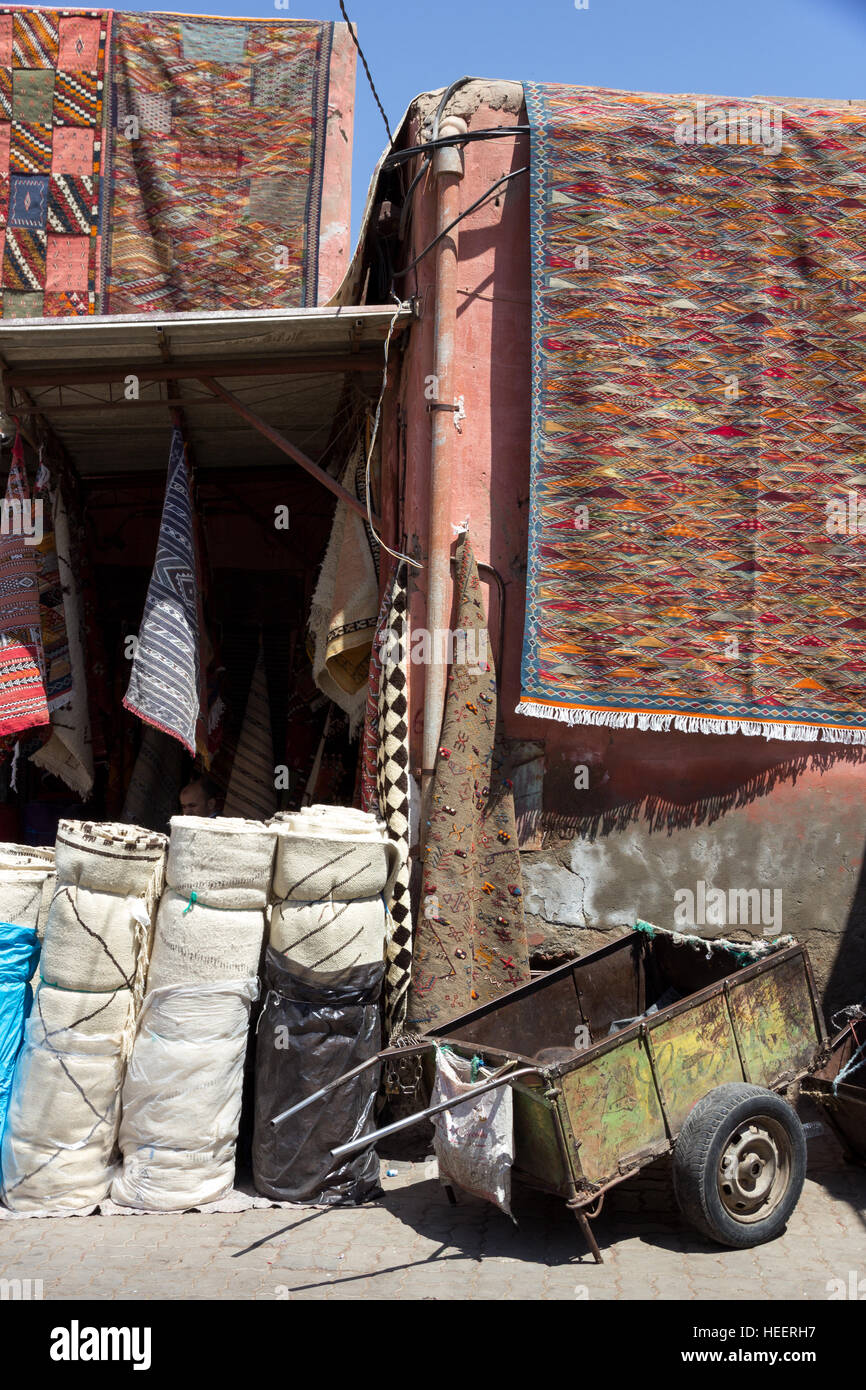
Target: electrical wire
[496,132]
[397,554]
[367,71]
[465,213]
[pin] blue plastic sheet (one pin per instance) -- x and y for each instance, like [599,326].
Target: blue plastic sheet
[19,956]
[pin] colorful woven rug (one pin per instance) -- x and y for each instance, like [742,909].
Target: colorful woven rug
[698,472]
[164,685]
[470,938]
[159,162]
[22,689]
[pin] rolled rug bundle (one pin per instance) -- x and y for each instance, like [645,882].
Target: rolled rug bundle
[109,878]
[333,875]
[314,1027]
[59,1143]
[211,920]
[329,935]
[184,1086]
[333,852]
[19,955]
[182,1096]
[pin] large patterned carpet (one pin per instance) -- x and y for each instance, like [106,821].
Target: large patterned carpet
[698,502]
[159,162]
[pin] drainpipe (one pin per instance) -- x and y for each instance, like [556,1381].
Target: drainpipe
[448,172]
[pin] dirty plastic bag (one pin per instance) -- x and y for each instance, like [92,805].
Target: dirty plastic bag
[473,1142]
[19,955]
[182,1096]
[313,1028]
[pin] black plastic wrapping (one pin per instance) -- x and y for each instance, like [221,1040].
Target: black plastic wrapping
[312,1029]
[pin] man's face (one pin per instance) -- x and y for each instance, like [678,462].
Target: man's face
[194,802]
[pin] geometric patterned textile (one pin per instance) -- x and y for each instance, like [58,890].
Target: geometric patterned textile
[698,460]
[392,778]
[216,197]
[470,938]
[164,688]
[53,160]
[159,162]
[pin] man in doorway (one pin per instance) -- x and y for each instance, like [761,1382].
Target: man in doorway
[199,796]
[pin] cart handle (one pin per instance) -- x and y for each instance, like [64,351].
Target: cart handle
[398,1049]
[344,1149]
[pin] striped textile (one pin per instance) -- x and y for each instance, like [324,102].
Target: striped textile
[251,791]
[164,685]
[22,691]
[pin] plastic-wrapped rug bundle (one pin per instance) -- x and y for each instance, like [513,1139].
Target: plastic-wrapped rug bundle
[19,954]
[60,1138]
[182,1096]
[324,972]
[183,1091]
[61,1128]
[211,920]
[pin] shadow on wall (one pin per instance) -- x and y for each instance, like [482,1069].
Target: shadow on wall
[600,780]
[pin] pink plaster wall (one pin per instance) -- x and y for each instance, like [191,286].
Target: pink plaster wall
[335,222]
[661,809]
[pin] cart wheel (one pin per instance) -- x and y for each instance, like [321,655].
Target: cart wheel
[739,1164]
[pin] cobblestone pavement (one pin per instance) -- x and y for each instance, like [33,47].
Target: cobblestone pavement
[414,1245]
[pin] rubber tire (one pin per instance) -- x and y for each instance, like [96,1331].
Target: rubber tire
[699,1148]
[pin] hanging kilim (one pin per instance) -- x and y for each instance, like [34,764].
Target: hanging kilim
[55,639]
[164,685]
[392,778]
[22,663]
[159,162]
[698,470]
[470,940]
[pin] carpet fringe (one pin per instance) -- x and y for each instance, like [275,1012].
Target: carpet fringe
[691,724]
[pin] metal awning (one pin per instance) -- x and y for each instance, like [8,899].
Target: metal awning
[251,387]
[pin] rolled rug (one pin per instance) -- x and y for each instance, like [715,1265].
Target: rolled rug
[109,878]
[110,858]
[329,935]
[226,861]
[197,944]
[86,1011]
[23,892]
[182,1096]
[343,866]
[61,1125]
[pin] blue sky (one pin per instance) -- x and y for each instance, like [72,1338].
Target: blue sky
[811,48]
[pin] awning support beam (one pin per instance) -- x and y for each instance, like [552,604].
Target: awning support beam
[286,447]
[182,370]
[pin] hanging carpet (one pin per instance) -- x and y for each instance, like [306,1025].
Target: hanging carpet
[22,690]
[698,415]
[160,162]
[164,685]
[251,790]
[470,939]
